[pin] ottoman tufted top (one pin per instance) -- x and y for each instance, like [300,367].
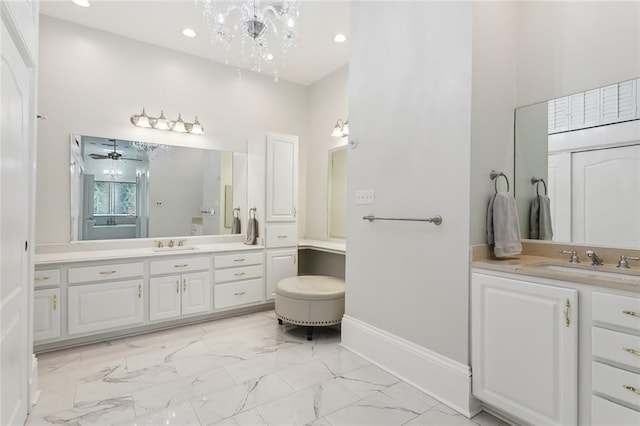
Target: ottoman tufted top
[311,287]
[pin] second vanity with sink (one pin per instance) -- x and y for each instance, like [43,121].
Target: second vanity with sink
[555,342]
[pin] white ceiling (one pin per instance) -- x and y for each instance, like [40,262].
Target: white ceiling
[161,22]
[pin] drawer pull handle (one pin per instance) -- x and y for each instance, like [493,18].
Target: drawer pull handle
[632,389]
[631,313]
[239,274]
[55,302]
[239,260]
[567,320]
[41,278]
[107,272]
[184,285]
[239,293]
[282,236]
[631,351]
[184,265]
[139,291]
[177,286]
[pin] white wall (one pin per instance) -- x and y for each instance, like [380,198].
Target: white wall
[328,102]
[568,47]
[91,82]
[410,111]
[493,102]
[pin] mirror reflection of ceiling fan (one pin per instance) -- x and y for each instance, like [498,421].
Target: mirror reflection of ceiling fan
[113,155]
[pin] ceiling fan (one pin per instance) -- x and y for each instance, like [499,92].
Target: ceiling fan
[113,155]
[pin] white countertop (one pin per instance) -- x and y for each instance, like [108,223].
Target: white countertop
[90,255]
[327,246]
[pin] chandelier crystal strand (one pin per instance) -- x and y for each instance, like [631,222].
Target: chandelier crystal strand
[266,29]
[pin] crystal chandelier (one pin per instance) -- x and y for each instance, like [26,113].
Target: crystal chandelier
[152,150]
[266,30]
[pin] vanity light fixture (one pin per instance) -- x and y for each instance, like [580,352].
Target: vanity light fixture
[341,129]
[162,123]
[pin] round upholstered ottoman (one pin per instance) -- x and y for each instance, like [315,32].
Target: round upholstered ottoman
[310,300]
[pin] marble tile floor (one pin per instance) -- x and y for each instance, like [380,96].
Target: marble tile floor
[245,370]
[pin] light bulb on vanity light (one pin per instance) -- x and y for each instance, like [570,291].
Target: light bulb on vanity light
[141,120]
[195,128]
[178,125]
[161,122]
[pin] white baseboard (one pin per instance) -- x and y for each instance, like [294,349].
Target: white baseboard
[34,392]
[440,377]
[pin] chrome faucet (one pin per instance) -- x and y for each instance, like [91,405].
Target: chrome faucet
[623,262]
[595,259]
[574,255]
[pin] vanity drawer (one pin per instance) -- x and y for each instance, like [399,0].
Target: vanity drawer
[237,274]
[607,413]
[623,311]
[173,266]
[617,347]
[241,293]
[281,236]
[616,383]
[240,259]
[105,272]
[46,277]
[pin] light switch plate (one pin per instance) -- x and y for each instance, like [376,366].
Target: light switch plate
[365,196]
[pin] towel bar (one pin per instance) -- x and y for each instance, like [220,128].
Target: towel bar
[436,220]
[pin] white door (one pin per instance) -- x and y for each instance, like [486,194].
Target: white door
[15,213]
[524,351]
[282,178]
[559,175]
[280,264]
[602,179]
[164,297]
[196,293]
[46,314]
[95,307]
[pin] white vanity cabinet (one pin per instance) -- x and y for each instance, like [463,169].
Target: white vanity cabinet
[524,348]
[615,367]
[239,279]
[106,296]
[280,264]
[179,294]
[273,188]
[46,314]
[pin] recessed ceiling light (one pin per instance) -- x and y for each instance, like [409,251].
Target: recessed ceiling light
[188,32]
[340,38]
[82,3]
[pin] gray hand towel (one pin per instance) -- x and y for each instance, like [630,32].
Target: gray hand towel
[252,231]
[534,218]
[505,225]
[545,230]
[540,219]
[490,237]
[235,225]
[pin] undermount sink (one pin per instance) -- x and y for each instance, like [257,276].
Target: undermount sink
[589,271]
[175,248]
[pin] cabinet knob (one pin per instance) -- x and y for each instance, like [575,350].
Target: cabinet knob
[567,320]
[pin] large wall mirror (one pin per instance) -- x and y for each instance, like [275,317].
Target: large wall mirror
[126,189]
[586,147]
[337,202]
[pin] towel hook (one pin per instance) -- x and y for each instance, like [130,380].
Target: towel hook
[494,177]
[536,181]
[252,210]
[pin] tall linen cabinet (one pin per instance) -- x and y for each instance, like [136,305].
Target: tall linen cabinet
[273,192]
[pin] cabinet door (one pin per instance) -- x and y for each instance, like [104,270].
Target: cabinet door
[164,297]
[46,314]
[95,307]
[282,178]
[280,264]
[524,348]
[196,293]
